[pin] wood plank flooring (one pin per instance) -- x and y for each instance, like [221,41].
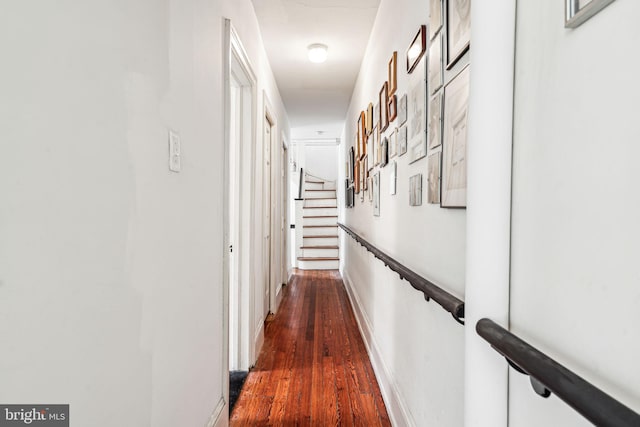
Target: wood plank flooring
[313,368]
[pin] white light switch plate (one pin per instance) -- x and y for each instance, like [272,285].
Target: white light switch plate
[174,151]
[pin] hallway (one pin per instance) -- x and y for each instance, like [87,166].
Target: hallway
[313,367]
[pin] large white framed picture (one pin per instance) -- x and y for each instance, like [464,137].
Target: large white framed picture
[417,137]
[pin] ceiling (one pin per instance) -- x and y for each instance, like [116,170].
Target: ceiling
[316,96]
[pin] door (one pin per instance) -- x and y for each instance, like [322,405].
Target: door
[267,255]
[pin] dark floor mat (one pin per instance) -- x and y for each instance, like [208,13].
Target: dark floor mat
[236,381]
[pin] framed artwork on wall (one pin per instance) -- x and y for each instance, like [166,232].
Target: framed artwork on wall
[417,114]
[393,73]
[369,126]
[454,156]
[356,181]
[351,159]
[434,70]
[376,194]
[434,127]
[435,17]
[370,185]
[458,29]
[363,173]
[578,11]
[384,152]
[402,110]
[376,115]
[393,177]
[362,134]
[402,140]
[384,108]
[393,144]
[433,178]
[370,151]
[416,49]
[393,108]
[415,190]
[376,146]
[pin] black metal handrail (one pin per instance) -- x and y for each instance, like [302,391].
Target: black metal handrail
[300,184]
[548,376]
[430,290]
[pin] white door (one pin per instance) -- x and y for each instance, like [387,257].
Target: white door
[268,131]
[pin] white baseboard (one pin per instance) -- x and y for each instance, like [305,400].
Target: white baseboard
[397,410]
[218,418]
[258,339]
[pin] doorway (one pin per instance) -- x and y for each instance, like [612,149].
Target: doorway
[268,211]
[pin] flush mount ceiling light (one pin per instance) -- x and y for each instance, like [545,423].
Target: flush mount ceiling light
[317,52]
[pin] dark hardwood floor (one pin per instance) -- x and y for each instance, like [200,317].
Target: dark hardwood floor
[313,368]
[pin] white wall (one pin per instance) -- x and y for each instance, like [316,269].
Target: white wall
[110,265]
[322,161]
[419,346]
[576,236]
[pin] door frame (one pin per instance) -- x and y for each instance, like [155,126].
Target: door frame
[268,115]
[236,58]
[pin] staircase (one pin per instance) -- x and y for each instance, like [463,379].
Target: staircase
[319,250]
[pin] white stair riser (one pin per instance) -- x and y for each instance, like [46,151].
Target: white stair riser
[318,265]
[316,194]
[320,241]
[320,221]
[320,253]
[316,202]
[323,211]
[313,186]
[320,231]
[329,185]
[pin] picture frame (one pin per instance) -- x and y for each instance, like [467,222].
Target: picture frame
[363,173]
[458,30]
[370,184]
[393,144]
[393,73]
[402,141]
[356,181]
[351,161]
[579,11]
[402,110]
[369,123]
[376,146]
[417,114]
[362,138]
[370,151]
[454,145]
[376,194]
[393,108]
[384,110]
[393,178]
[435,17]
[434,126]
[433,177]
[384,150]
[416,49]
[376,115]
[356,144]
[415,190]
[434,69]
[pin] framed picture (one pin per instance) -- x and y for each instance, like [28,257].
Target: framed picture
[434,127]
[376,146]
[415,190]
[402,141]
[384,150]
[578,11]
[393,178]
[393,108]
[384,110]
[352,156]
[370,151]
[434,71]
[363,174]
[402,110]
[393,144]
[357,145]
[369,126]
[376,194]
[458,29]
[433,178]
[370,185]
[376,115]
[417,114]
[454,152]
[356,181]
[346,192]
[393,73]
[435,17]
[362,134]
[416,49]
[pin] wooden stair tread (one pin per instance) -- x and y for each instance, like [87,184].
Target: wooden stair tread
[319,237]
[320,247]
[315,182]
[300,258]
[321,216]
[319,226]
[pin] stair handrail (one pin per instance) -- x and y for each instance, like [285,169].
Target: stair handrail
[449,302]
[548,376]
[300,188]
[320,178]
